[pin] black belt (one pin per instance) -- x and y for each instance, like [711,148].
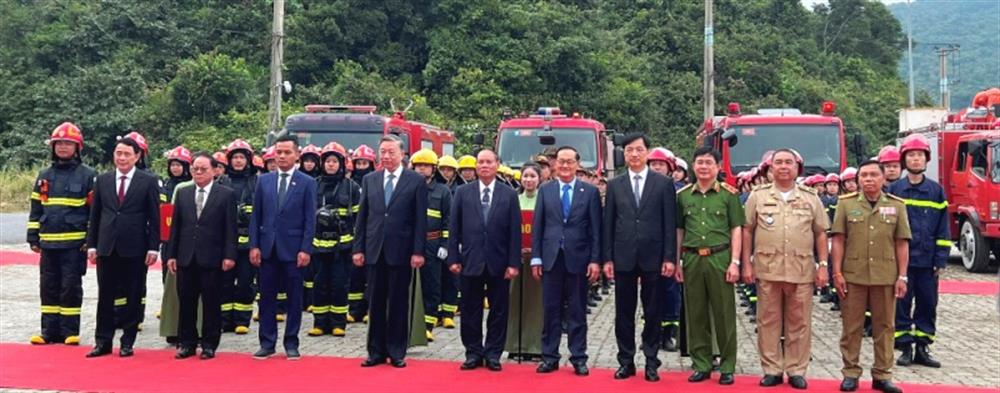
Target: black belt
[707,251]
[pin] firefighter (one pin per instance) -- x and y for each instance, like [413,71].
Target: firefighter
[467,168]
[309,163]
[338,198]
[849,180]
[270,165]
[425,162]
[829,199]
[889,157]
[57,229]
[121,300]
[663,161]
[237,283]
[363,160]
[309,160]
[221,163]
[178,171]
[448,168]
[930,245]
[258,164]
[681,172]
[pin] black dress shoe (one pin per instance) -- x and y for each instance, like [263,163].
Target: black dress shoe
[547,367]
[625,371]
[99,350]
[184,353]
[372,362]
[798,382]
[471,364]
[652,375]
[398,363]
[770,380]
[493,365]
[207,354]
[727,379]
[699,376]
[886,386]
[292,354]
[262,354]
[126,352]
[581,370]
[849,385]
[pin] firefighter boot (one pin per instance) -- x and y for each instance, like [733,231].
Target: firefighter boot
[906,358]
[923,357]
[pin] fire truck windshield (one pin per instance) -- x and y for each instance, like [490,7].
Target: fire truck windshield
[349,139]
[819,145]
[519,145]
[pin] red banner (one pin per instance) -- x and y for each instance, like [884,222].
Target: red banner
[166,219]
[527,219]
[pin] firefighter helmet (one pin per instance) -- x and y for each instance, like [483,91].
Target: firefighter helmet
[467,162]
[258,162]
[448,161]
[888,154]
[915,142]
[334,148]
[68,132]
[424,156]
[179,153]
[661,154]
[833,177]
[309,150]
[237,145]
[364,152]
[220,157]
[140,140]
[850,173]
[269,154]
[682,164]
[517,174]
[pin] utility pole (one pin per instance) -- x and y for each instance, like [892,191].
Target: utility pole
[708,73]
[277,56]
[943,83]
[909,47]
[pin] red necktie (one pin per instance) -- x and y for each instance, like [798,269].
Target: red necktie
[121,190]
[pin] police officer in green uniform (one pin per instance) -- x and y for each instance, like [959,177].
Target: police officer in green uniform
[870,256]
[709,221]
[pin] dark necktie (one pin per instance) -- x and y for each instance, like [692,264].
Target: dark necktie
[200,201]
[638,193]
[486,203]
[566,189]
[121,190]
[388,188]
[282,190]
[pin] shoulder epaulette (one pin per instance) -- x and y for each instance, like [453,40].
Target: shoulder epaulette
[685,188]
[731,189]
[761,186]
[850,195]
[896,198]
[806,189]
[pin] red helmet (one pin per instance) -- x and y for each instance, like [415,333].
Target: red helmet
[850,173]
[334,148]
[258,162]
[364,152]
[915,142]
[888,154]
[663,155]
[140,140]
[68,132]
[239,144]
[221,158]
[309,150]
[269,154]
[765,160]
[179,153]
[833,177]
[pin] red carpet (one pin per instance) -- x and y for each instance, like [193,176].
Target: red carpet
[65,368]
[952,287]
[30,258]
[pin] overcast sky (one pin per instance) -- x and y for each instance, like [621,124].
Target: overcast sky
[809,3]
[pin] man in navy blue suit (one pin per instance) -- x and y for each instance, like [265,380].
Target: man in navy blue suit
[389,238]
[566,235]
[485,247]
[281,232]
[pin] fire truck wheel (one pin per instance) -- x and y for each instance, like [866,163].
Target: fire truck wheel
[975,250]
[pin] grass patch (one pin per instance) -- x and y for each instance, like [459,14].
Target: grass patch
[15,189]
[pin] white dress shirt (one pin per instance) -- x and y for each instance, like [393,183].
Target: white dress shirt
[483,187]
[385,179]
[644,174]
[290,172]
[128,179]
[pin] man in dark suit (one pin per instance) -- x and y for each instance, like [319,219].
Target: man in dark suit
[202,245]
[640,241]
[485,247]
[566,234]
[390,235]
[281,232]
[123,239]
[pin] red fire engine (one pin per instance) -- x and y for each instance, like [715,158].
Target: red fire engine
[354,125]
[965,159]
[520,138]
[744,138]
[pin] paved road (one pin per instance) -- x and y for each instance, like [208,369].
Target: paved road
[12,227]
[969,334]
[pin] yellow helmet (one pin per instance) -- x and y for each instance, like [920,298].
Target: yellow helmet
[504,170]
[424,156]
[517,174]
[467,162]
[447,161]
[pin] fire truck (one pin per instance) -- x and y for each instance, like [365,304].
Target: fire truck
[965,160]
[354,125]
[521,138]
[743,139]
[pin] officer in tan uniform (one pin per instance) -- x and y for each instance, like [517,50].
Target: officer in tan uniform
[779,217]
[871,233]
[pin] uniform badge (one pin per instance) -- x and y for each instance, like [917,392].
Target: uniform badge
[769,220]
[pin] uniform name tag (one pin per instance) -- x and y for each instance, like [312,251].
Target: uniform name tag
[887,210]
